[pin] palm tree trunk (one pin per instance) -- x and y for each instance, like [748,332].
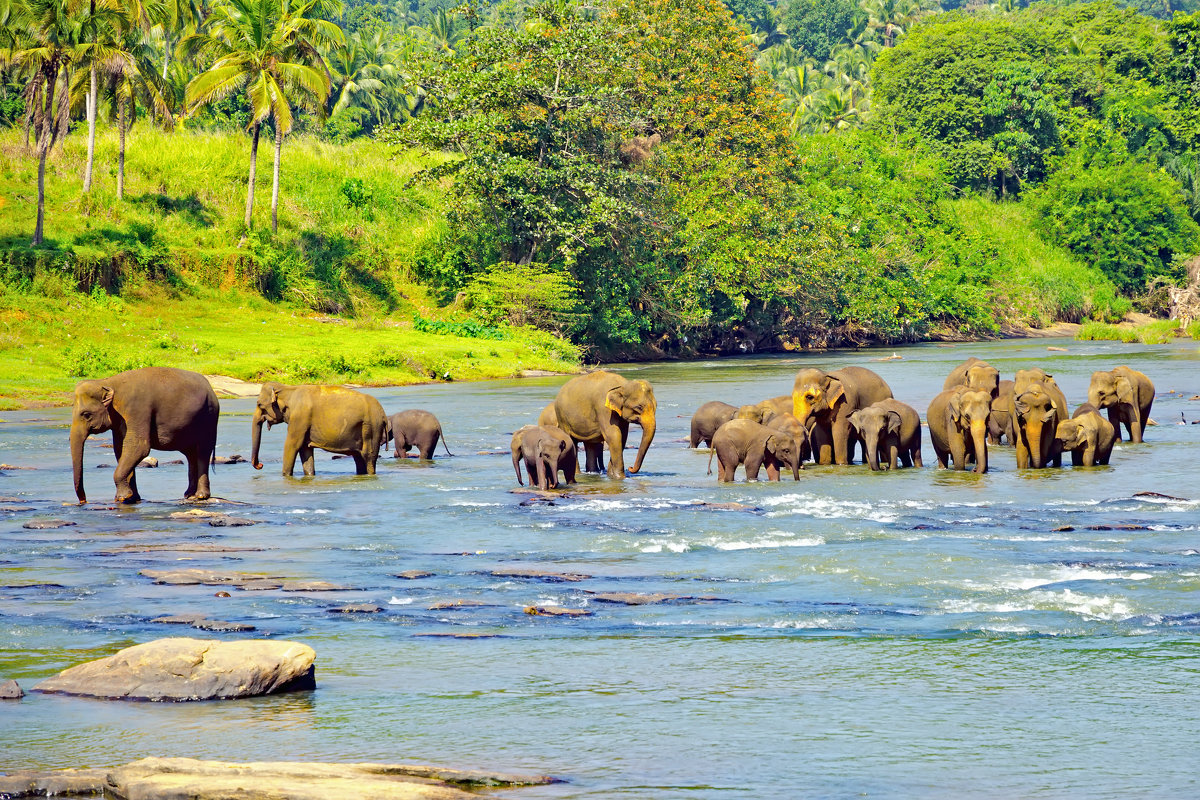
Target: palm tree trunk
[92,102]
[166,50]
[41,209]
[250,185]
[121,148]
[275,184]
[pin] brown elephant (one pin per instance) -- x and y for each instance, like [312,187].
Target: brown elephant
[707,419]
[830,398]
[416,428]
[1038,406]
[596,409]
[1089,437]
[744,441]
[331,418]
[1127,395]
[787,423]
[976,374]
[545,451]
[764,411]
[157,408]
[957,420]
[890,431]
[1000,422]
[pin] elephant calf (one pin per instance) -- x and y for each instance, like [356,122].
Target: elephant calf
[957,421]
[707,419]
[545,450]
[744,441]
[419,429]
[332,418]
[889,430]
[1089,437]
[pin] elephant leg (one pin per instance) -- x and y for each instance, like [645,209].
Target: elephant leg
[129,454]
[1022,452]
[772,466]
[822,445]
[894,455]
[958,451]
[593,456]
[531,472]
[360,463]
[198,488]
[291,446]
[307,461]
[753,463]
[193,474]
[616,452]
[843,447]
[916,456]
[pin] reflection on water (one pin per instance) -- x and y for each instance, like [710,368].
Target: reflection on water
[920,633]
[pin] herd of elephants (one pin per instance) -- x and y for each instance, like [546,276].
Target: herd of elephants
[825,419]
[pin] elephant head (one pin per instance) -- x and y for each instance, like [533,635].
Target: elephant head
[269,411]
[786,449]
[1073,433]
[968,411]
[1109,389]
[871,423]
[815,393]
[549,450]
[634,401]
[984,377]
[92,414]
[1034,408]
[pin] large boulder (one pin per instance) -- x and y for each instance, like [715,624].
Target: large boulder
[190,669]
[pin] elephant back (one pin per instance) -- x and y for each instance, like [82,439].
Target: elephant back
[863,386]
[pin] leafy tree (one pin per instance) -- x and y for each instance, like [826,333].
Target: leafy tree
[1020,123]
[818,26]
[132,78]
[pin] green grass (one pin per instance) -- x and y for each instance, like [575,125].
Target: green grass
[1158,332]
[1193,330]
[1037,283]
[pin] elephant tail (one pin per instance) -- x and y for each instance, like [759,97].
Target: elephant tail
[711,450]
[444,445]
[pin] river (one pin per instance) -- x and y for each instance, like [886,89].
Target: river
[921,633]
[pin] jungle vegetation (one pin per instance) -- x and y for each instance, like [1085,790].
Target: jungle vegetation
[642,177]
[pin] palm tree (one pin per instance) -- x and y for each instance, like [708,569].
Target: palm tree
[444,31]
[268,48]
[134,78]
[56,32]
[360,73]
[183,16]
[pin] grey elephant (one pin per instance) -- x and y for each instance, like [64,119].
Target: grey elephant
[787,423]
[763,411]
[830,398]
[545,451]
[744,441]
[331,418]
[957,420]
[976,374]
[1000,421]
[416,428]
[158,408]
[1088,436]
[596,409]
[707,419]
[1038,406]
[890,432]
[1127,395]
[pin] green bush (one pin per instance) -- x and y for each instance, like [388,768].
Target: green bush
[518,295]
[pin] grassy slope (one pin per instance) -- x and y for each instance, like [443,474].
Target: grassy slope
[185,196]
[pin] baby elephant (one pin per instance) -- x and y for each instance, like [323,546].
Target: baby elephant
[419,429]
[706,420]
[545,450]
[889,430]
[1089,437]
[746,441]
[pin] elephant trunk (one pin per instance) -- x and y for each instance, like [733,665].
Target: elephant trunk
[871,446]
[543,479]
[256,437]
[1033,437]
[796,463]
[979,437]
[79,435]
[647,422]
[1094,397]
[801,409]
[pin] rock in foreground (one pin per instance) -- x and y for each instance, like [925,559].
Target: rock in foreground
[190,669]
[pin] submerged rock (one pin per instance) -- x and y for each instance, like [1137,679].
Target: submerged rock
[414,574]
[540,574]
[190,669]
[48,524]
[55,783]
[556,611]
[357,608]
[201,622]
[649,598]
[10,690]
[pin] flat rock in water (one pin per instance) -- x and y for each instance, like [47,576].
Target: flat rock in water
[450,604]
[196,514]
[1160,496]
[314,586]
[183,547]
[12,509]
[231,522]
[414,574]
[196,576]
[10,690]
[54,783]
[14,466]
[260,585]
[233,459]
[556,611]
[541,575]
[201,622]
[47,524]
[149,462]
[190,669]
[178,778]
[459,635]
[357,608]
[7,499]
[649,598]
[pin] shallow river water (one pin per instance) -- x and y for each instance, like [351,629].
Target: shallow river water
[913,634]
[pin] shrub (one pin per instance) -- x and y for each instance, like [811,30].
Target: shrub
[518,295]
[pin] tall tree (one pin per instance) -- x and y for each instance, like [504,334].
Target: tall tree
[269,49]
[133,78]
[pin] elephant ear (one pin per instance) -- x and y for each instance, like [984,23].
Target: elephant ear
[562,445]
[835,392]
[893,424]
[272,396]
[616,399]
[856,420]
[106,396]
[955,407]
[772,444]
[1125,392]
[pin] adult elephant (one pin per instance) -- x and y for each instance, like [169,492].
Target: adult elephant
[596,409]
[957,420]
[1038,406]
[975,373]
[1000,422]
[1128,395]
[157,408]
[830,398]
[331,418]
[764,411]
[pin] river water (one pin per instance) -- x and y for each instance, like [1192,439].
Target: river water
[921,633]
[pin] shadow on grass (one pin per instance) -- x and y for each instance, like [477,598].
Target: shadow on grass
[189,208]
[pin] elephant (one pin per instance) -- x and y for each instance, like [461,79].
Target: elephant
[787,423]
[746,441]
[333,418]
[957,420]
[596,409]
[1000,422]
[707,419]
[831,397]
[416,428]
[545,451]
[977,374]
[764,411]
[1038,406]
[1128,395]
[158,408]
[889,429]
[1089,437]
